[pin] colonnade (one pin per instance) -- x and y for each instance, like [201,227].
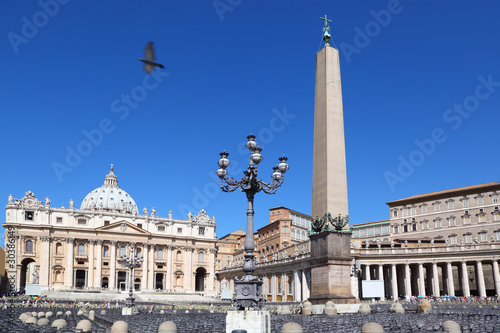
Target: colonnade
[464,277]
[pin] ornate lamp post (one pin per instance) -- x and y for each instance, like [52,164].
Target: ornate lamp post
[249,287]
[131,263]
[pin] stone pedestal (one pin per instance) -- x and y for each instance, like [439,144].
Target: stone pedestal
[331,268]
[128,311]
[253,321]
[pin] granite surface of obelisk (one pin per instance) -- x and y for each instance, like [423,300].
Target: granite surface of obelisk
[329,164]
[330,234]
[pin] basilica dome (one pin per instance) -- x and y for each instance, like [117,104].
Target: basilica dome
[110,197]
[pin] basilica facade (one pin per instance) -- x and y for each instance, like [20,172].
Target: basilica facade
[68,248]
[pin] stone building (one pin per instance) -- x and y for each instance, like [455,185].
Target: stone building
[439,243]
[65,248]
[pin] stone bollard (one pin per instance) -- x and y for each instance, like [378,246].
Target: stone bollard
[59,313]
[330,308]
[365,308]
[59,323]
[167,327]
[68,313]
[80,313]
[119,327]
[307,308]
[398,308]
[424,307]
[41,314]
[285,309]
[162,311]
[49,314]
[103,312]
[92,315]
[85,325]
[30,320]
[372,328]
[174,311]
[291,328]
[42,322]
[450,326]
[34,314]
[24,316]
[187,311]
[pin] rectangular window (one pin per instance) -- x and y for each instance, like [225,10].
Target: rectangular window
[161,228]
[377,231]
[498,235]
[481,218]
[414,227]
[482,237]
[438,224]
[423,209]
[468,239]
[480,201]
[139,225]
[396,229]
[405,228]
[369,231]
[413,210]
[425,225]
[465,203]
[405,212]
[494,198]
[105,263]
[106,222]
[59,220]
[355,233]
[466,220]
[29,215]
[496,217]
[436,207]
[179,231]
[453,240]
[450,205]
[82,221]
[201,231]
[451,222]
[362,232]
[385,229]
[395,213]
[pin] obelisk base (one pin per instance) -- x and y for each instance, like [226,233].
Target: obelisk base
[331,268]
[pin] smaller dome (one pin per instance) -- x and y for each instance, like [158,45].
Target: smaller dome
[110,197]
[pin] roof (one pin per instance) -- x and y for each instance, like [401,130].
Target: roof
[446,193]
[292,211]
[366,224]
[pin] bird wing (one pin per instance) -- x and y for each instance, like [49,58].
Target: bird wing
[149,51]
[148,68]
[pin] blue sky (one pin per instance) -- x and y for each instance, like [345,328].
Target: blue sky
[421,94]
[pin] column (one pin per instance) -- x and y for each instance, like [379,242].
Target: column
[112,271]
[407,280]
[170,267]
[296,287]
[90,279]
[449,279]
[480,279]
[188,266]
[465,280]
[381,277]
[496,276]
[144,267]
[211,269]
[394,282]
[367,273]
[284,286]
[305,286]
[435,280]
[69,269]
[151,277]
[421,280]
[45,264]
[274,287]
[98,273]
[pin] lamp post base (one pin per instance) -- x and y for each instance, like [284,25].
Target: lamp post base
[248,290]
[252,321]
[129,311]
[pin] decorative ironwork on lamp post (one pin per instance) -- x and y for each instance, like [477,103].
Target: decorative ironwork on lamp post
[249,287]
[131,263]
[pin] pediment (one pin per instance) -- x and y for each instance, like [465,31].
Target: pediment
[123,227]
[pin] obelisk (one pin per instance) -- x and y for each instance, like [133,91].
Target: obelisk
[329,166]
[330,234]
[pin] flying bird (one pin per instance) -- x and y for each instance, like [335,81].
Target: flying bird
[149,62]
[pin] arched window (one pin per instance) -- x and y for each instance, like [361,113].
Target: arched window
[59,249]
[81,249]
[122,251]
[179,256]
[201,257]
[105,251]
[303,235]
[293,233]
[160,254]
[29,246]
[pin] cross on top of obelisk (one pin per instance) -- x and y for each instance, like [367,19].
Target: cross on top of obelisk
[326,29]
